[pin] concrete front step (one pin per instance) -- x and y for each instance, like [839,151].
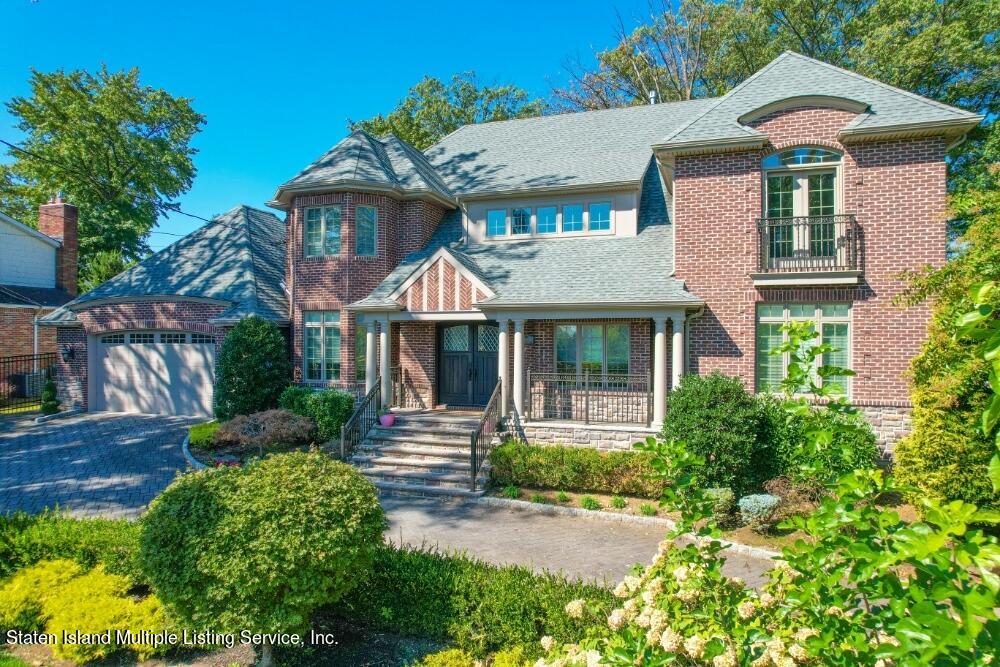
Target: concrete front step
[422,477]
[421,438]
[421,490]
[415,430]
[415,451]
[364,461]
[443,419]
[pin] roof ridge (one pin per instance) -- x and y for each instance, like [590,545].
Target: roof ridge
[730,93]
[882,84]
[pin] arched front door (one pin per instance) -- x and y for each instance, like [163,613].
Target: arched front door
[467,362]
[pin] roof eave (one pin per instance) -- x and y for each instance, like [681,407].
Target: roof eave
[608,305]
[725,145]
[955,127]
[373,308]
[522,192]
[31,231]
[283,196]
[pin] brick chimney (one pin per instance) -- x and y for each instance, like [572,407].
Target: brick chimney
[57,219]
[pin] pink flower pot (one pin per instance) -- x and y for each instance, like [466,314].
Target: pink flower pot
[387,420]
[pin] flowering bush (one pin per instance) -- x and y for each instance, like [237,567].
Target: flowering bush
[862,587]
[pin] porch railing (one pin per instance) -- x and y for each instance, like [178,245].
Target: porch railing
[356,428]
[22,378]
[591,398]
[809,243]
[483,439]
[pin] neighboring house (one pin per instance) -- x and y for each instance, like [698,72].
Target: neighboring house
[37,275]
[588,259]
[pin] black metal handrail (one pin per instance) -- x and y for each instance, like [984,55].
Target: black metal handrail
[610,398]
[22,378]
[482,438]
[809,243]
[356,428]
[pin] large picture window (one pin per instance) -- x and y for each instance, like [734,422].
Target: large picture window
[322,231]
[321,343]
[367,230]
[592,348]
[833,320]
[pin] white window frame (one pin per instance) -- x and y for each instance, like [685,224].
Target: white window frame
[531,220]
[357,234]
[611,217]
[583,219]
[818,320]
[323,326]
[506,223]
[555,220]
[322,235]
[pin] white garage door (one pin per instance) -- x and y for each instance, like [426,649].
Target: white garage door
[154,372]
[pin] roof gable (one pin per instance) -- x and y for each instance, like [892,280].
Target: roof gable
[28,231]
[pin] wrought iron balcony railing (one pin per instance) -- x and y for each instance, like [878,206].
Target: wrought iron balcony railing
[590,397]
[809,243]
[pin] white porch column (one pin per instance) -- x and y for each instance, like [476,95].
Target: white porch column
[371,363]
[503,363]
[677,362]
[384,362]
[519,367]
[659,370]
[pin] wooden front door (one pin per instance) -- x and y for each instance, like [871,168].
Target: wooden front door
[467,355]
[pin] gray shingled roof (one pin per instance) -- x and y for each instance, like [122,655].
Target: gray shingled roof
[239,257]
[42,297]
[360,158]
[565,150]
[793,75]
[563,272]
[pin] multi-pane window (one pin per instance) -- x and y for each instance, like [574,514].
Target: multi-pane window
[572,215]
[321,343]
[142,338]
[833,322]
[496,222]
[779,205]
[600,217]
[322,231]
[592,348]
[520,221]
[173,338]
[113,339]
[822,241]
[202,338]
[545,220]
[366,223]
[360,352]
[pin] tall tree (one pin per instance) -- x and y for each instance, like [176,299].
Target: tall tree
[432,109]
[117,149]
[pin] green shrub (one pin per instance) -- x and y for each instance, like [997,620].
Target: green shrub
[7,660]
[757,511]
[265,430]
[619,503]
[295,398]
[511,491]
[574,468]
[723,502]
[590,503]
[538,498]
[252,369]
[201,435]
[510,658]
[50,400]
[258,548]
[563,497]
[26,539]
[451,657]
[328,408]
[719,420]
[647,509]
[480,608]
[23,596]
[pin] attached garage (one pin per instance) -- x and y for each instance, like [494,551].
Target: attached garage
[152,372]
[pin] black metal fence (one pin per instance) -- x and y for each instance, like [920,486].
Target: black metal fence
[21,381]
[809,243]
[596,398]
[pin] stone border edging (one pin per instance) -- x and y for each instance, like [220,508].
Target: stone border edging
[734,547]
[189,457]
[64,413]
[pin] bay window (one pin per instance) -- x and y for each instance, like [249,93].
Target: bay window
[833,323]
[321,345]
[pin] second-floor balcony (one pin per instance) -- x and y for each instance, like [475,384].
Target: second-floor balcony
[810,249]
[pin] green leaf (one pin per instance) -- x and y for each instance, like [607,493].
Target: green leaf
[991,415]
[994,471]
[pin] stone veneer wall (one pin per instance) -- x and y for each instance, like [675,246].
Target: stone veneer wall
[605,438]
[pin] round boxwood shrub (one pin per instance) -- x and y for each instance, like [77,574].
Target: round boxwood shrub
[252,369]
[720,421]
[50,401]
[259,548]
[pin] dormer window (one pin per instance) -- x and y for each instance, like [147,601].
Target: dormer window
[322,231]
[600,217]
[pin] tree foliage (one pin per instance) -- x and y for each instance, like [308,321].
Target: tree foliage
[433,109]
[119,150]
[252,369]
[102,266]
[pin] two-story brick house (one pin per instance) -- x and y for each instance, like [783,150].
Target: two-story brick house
[585,260]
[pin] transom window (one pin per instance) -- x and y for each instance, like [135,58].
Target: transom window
[366,222]
[321,343]
[322,231]
[800,156]
[600,217]
[594,349]
[833,320]
[567,219]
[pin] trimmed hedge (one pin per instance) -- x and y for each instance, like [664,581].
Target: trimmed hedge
[579,469]
[328,408]
[252,369]
[481,608]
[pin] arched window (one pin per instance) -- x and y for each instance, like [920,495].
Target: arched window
[795,157]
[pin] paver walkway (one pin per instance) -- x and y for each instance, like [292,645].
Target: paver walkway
[593,549]
[101,464]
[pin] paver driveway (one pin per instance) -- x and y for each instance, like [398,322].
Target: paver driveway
[102,464]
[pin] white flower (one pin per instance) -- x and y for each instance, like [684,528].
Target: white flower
[727,659]
[681,574]
[798,652]
[671,641]
[785,661]
[655,586]
[834,610]
[988,659]
[648,597]
[593,658]
[737,583]
[547,643]
[632,583]
[653,637]
[657,619]
[621,590]
[883,638]
[746,609]
[767,600]
[694,646]
[575,608]
[688,595]
[617,619]
[631,608]
[802,634]
[664,546]
[762,661]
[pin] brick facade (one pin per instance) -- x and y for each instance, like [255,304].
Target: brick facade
[17,325]
[896,189]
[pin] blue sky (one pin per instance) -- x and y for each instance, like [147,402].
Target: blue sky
[278,80]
